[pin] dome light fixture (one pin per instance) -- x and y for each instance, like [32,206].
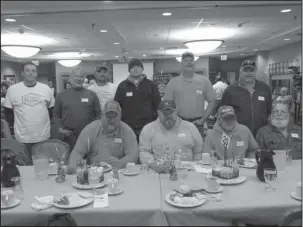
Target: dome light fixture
[179,59]
[20,51]
[69,63]
[203,46]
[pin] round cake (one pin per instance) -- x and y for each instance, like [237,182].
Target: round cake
[225,172]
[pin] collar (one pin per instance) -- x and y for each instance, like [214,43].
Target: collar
[256,83]
[274,129]
[136,82]
[188,80]
[178,122]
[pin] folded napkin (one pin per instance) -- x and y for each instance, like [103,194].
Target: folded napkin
[43,203]
[201,169]
[101,201]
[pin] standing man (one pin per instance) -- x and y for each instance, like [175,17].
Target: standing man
[250,98]
[28,106]
[104,89]
[189,91]
[75,108]
[138,97]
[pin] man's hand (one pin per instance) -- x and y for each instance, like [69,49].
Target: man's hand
[65,132]
[115,162]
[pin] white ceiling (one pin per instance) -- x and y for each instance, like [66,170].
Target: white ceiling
[141,29]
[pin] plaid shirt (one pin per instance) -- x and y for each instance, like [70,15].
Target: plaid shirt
[270,138]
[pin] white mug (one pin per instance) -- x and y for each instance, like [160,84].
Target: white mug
[206,158]
[299,190]
[212,183]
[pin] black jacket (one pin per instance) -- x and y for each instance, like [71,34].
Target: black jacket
[139,104]
[251,110]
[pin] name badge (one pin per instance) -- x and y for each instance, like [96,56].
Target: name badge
[129,94]
[199,92]
[240,143]
[84,100]
[181,135]
[294,135]
[117,140]
[261,98]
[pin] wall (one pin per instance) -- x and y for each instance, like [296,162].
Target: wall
[11,68]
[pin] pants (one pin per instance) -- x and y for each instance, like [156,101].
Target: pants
[29,150]
[70,140]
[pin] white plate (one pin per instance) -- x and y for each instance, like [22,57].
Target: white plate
[117,192]
[126,173]
[169,201]
[220,189]
[75,201]
[293,195]
[16,202]
[52,174]
[89,186]
[237,180]
[248,163]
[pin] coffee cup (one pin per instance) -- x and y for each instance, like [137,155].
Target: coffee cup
[130,167]
[212,183]
[206,158]
[7,197]
[113,185]
[299,190]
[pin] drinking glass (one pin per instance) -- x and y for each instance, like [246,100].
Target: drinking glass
[41,165]
[145,164]
[93,177]
[18,190]
[270,176]
[182,174]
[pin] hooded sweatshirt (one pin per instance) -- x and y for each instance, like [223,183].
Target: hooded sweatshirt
[242,143]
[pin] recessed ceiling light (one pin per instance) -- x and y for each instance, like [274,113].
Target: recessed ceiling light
[256,49]
[82,50]
[116,43]
[103,30]
[166,14]
[144,55]
[285,10]
[107,1]
[116,56]
[286,39]
[10,20]
[223,46]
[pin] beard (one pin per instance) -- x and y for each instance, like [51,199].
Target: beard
[279,123]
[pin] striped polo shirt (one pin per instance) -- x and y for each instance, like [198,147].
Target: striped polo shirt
[190,95]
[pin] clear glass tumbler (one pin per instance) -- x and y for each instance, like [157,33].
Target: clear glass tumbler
[18,190]
[270,176]
[41,165]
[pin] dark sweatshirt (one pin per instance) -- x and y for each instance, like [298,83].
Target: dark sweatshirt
[139,103]
[251,110]
[76,108]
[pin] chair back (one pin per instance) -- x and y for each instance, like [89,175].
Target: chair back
[293,218]
[53,148]
[17,149]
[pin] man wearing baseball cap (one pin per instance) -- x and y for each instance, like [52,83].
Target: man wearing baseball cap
[138,96]
[107,140]
[190,91]
[242,142]
[250,98]
[103,88]
[169,131]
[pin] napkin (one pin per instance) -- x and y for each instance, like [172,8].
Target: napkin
[201,169]
[101,201]
[43,203]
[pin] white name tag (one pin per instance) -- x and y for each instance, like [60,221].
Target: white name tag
[84,100]
[199,92]
[261,98]
[294,135]
[240,143]
[181,135]
[117,140]
[129,94]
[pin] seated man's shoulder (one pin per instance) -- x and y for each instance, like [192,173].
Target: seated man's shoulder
[93,125]
[264,130]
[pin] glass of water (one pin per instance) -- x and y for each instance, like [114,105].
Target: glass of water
[18,190]
[270,176]
[41,165]
[93,177]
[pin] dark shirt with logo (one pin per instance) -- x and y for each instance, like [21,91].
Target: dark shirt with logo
[74,109]
[270,138]
[252,110]
[139,103]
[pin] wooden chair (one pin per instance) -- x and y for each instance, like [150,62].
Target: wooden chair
[11,145]
[293,218]
[53,148]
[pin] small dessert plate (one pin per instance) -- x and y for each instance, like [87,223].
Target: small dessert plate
[116,192]
[14,203]
[238,180]
[293,195]
[220,189]
[88,186]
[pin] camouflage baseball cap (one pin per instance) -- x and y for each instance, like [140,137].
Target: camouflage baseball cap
[226,112]
[248,64]
[110,106]
[98,69]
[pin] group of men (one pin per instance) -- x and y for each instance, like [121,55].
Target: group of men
[136,125]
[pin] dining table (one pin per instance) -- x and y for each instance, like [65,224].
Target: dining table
[143,201]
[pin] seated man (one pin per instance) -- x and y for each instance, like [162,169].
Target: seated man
[169,131]
[277,135]
[108,140]
[242,143]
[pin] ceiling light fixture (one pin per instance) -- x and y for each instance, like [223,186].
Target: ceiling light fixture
[203,33]
[256,49]
[285,10]
[116,56]
[286,39]
[10,20]
[19,51]
[203,46]
[69,63]
[144,55]
[116,43]
[107,1]
[167,14]
[103,31]
[223,46]
[179,59]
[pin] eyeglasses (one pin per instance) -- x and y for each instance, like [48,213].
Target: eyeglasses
[281,112]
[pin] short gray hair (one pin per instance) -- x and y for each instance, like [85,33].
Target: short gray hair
[285,103]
